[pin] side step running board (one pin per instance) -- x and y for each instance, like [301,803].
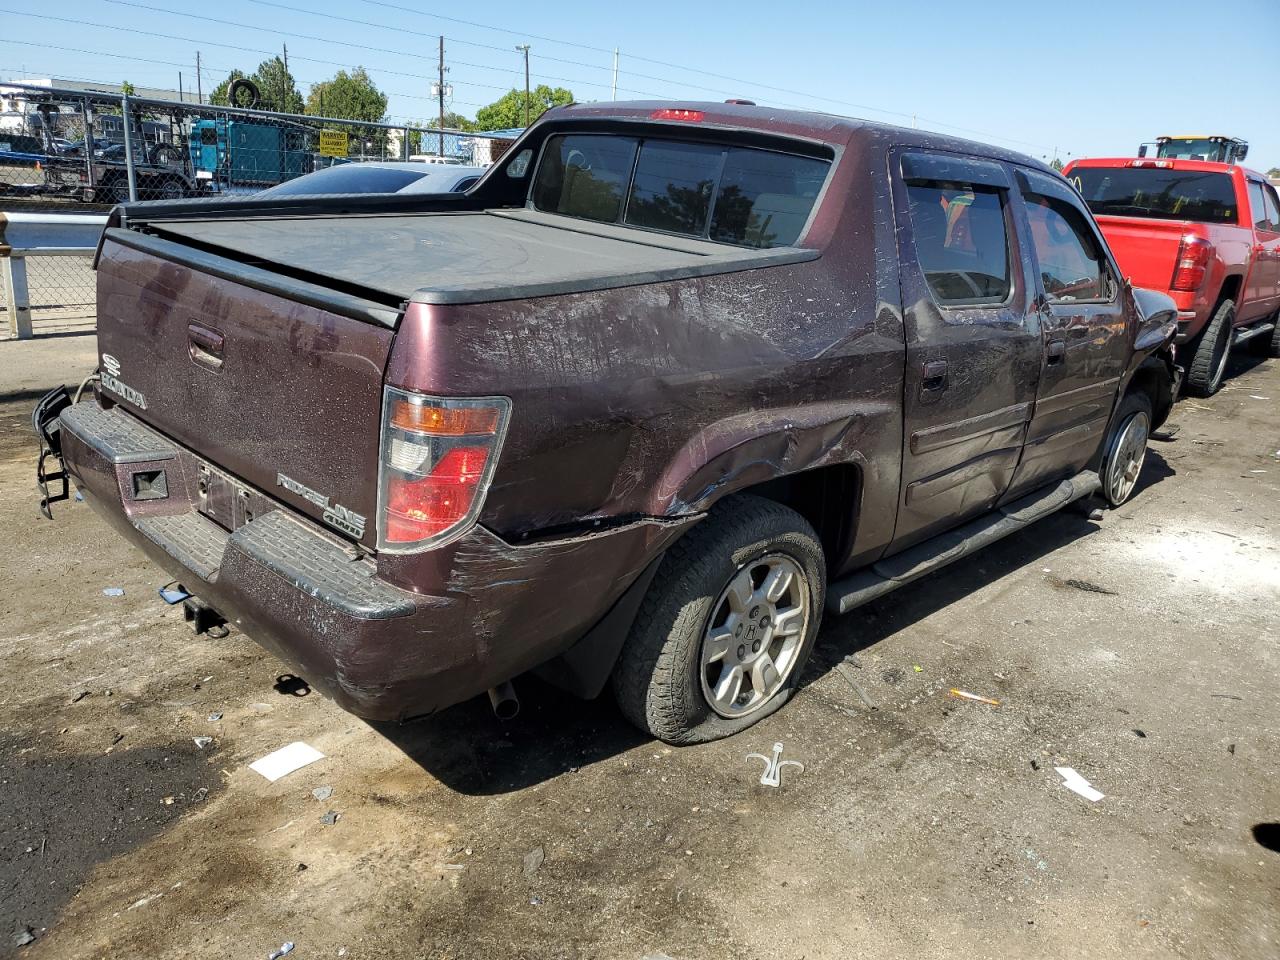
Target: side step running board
[893,572]
[1248,333]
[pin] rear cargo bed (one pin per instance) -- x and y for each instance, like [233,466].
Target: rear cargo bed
[470,257]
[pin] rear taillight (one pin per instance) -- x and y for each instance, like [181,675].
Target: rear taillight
[1193,261]
[438,457]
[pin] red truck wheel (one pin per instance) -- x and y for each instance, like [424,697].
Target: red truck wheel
[1209,360]
[727,625]
[1268,346]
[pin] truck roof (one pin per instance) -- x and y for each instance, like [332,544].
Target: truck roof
[827,128]
[1164,163]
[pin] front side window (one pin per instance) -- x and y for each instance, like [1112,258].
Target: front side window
[736,195]
[1068,254]
[962,241]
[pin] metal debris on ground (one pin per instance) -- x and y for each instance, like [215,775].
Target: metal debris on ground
[1079,785]
[202,742]
[322,793]
[533,860]
[214,717]
[25,937]
[845,670]
[977,698]
[330,818]
[113,591]
[286,760]
[772,776]
[286,948]
[199,794]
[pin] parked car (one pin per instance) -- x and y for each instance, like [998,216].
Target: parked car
[664,384]
[1206,232]
[381,176]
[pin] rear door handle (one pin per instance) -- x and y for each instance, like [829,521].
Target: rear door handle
[933,376]
[205,345]
[1055,351]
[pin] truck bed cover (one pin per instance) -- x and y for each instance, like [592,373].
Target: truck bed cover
[467,257]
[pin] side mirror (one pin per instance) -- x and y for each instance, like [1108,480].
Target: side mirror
[1142,150]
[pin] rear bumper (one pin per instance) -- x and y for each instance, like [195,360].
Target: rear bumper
[491,611]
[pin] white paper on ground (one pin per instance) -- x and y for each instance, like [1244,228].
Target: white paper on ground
[1078,784]
[286,760]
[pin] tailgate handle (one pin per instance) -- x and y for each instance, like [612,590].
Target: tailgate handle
[205,346]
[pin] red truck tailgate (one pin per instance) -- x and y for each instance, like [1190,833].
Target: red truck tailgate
[284,396]
[1146,249]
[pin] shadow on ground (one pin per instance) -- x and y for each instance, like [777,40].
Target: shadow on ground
[61,814]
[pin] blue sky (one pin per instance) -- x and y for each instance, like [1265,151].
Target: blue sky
[1082,78]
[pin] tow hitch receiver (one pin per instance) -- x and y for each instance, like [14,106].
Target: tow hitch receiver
[44,420]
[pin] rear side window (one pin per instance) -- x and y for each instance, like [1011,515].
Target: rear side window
[1273,208]
[1258,205]
[737,195]
[962,241]
[1157,192]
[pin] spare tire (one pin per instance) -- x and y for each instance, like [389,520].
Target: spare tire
[243,92]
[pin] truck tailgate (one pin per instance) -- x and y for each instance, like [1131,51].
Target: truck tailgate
[1146,249]
[282,395]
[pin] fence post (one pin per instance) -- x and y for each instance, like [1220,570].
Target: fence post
[14,270]
[128,147]
[88,143]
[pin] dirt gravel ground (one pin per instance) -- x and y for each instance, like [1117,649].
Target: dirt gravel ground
[1141,650]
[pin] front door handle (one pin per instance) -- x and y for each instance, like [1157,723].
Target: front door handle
[1055,352]
[933,376]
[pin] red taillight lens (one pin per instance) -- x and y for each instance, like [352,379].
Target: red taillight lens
[419,508]
[1193,262]
[672,113]
[438,457]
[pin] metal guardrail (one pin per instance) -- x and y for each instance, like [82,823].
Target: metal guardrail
[24,235]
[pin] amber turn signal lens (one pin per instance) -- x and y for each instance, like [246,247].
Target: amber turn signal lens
[444,421]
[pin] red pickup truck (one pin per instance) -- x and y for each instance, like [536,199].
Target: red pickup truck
[1209,234]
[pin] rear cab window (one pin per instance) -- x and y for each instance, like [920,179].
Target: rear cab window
[743,196]
[1160,193]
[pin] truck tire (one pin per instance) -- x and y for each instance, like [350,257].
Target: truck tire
[1268,345]
[727,625]
[1209,360]
[1126,447]
[117,190]
[170,189]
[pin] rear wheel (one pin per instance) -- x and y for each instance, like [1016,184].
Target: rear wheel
[1126,448]
[1209,359]
[170,190]
[1268,344]
[117,190]
[727,625]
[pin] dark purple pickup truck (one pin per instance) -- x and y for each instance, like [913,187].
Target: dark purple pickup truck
[664,384]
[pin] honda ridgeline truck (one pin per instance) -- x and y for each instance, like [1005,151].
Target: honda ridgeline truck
[1207,233]
[662,386]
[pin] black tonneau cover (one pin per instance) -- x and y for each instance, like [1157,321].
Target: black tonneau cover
[467,257]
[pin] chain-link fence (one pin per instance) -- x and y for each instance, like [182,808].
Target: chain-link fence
[67,149]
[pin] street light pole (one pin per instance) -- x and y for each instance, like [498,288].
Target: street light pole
[524,48]
[441,94]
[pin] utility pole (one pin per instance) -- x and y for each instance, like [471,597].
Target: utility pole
[181,98]
[199,85]
[440,92]
[524,48]
[285,46]
[615,73]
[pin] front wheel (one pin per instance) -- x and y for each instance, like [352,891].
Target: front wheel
[1126,448]
[727,625]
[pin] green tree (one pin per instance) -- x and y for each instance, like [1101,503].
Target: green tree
[1056,164]
[348,96]
[1274,173]
[277,88]
[508,110]
[128,89]
[452,121]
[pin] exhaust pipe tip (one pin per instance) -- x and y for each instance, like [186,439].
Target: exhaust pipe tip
[503,699]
